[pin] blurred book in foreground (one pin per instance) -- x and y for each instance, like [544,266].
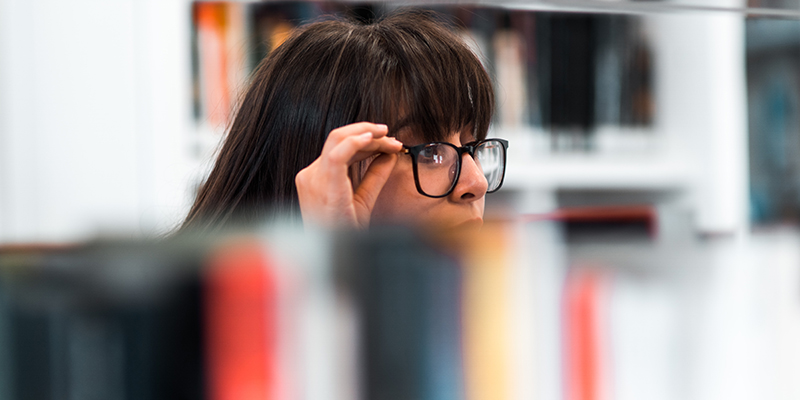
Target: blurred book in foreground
[515,312]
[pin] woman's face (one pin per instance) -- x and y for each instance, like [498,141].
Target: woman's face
[400,202]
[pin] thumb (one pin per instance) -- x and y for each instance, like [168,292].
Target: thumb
[376,176]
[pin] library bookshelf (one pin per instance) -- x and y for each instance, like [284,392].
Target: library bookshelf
[127,94]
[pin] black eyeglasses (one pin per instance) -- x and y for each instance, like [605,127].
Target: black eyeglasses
[437,165]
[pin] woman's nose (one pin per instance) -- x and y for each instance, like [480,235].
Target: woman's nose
[471,183]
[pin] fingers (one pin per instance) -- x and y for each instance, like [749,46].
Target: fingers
[359,147]
[324,188]
[388,145]
[374,179]
[340,134]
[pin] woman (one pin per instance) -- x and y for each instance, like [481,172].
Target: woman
[300,140]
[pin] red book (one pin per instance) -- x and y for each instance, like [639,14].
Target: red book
[645,215]
[583,336]
[241,309]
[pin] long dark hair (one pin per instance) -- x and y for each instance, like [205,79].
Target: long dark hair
[406,70]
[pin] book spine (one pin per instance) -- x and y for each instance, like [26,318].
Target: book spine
[241,309]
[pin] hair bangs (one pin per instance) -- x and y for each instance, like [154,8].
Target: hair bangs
[428,85]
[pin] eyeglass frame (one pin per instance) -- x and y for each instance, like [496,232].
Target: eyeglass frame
[468,148]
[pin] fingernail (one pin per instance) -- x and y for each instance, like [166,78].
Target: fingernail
[382,126]
[365,135]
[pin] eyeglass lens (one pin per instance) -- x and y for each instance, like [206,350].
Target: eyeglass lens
[490,158]
[437,166]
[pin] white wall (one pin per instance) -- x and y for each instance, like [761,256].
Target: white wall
[93,112]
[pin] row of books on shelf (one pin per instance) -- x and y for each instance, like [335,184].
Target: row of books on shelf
[528,309]
[565,74]
[773,77]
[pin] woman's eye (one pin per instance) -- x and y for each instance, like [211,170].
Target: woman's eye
[431,155]
[437,155]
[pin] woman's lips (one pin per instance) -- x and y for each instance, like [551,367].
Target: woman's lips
[470,224]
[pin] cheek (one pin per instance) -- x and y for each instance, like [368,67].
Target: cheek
[398,199]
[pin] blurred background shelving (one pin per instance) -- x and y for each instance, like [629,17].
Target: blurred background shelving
[589,101]
[123,87]
[656,102]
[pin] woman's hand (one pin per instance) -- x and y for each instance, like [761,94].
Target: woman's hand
[324,188]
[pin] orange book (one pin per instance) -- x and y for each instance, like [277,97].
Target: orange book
[211,20]
[241,310]
[486,316]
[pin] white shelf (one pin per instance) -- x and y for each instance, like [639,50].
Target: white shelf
[586,172]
